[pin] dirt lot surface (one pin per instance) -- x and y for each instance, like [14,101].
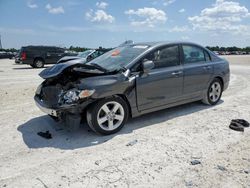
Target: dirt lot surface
[154,150]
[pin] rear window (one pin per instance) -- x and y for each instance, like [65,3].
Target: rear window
[193,54]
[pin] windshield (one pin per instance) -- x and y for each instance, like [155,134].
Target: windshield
[119,57]
[85,53]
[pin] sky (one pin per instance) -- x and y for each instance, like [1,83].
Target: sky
[107,23]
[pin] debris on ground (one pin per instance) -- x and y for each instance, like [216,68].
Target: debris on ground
[238,125]
[247,171]
[243,122]
[189,183]
[195,162]
[132,143]
[45,186]
[222,168]
[46,134]
[97,162]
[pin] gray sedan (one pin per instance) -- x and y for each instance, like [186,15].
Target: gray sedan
[129,81]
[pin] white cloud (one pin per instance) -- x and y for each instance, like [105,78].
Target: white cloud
[182,10]
[147,16]
[32,5]
[99,16]
[179,29]
[223,16]
[168,2]
[101,5]
[54,10]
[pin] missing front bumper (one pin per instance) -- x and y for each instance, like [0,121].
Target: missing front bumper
[46,110]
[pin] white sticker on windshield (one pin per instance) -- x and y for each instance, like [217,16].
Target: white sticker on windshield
[140,46]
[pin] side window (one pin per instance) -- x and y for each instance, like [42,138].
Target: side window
[207,56]
[95,54]
[165,57]
[193,54]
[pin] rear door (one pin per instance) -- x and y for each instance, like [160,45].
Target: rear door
[163,84]
[197,70]
[53,54]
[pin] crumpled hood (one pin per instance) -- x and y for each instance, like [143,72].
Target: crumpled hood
[69,58]
[57,69]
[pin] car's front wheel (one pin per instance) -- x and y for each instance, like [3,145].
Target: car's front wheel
[108,116]
[214,92]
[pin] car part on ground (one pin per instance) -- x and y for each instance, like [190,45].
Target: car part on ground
[243,122]
[238,124]
[46,134]
[130,81]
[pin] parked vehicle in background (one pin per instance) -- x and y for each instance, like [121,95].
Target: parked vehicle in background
[85,56]
[129,81]
[38,56]
[5,55]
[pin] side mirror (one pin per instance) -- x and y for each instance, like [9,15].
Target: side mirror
[147,66]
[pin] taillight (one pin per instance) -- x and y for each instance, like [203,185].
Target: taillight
[23,56]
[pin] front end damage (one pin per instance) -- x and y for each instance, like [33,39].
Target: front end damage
[61,104]
[69,88]
[61,95]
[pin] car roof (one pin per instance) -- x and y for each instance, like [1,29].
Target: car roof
[31,46]
[160,43]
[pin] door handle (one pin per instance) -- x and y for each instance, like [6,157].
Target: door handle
[177,73]
[207,67]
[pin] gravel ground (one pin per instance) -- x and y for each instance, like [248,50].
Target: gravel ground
[154,150]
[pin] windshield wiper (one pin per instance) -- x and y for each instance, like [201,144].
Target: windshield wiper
[98,67]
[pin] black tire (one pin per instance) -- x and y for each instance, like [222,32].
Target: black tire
[213,100]
[96,109]
[38,63]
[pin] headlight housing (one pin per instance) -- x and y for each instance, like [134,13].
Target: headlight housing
[74,95]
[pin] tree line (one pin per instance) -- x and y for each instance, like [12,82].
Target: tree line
[82,49]
[212,48]
[228,49]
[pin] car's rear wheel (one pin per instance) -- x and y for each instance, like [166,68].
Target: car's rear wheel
[38,63]
[214,92]
[108,116]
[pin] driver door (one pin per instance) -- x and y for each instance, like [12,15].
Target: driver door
[163,84]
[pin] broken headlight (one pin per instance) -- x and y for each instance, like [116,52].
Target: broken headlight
[73,95]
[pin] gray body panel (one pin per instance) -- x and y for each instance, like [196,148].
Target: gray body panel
[157,89]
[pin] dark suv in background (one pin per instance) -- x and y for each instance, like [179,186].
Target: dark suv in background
[38,56]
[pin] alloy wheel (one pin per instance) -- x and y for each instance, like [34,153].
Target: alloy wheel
[215,91]
[110,116]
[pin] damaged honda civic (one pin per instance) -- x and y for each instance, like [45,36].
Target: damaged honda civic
[129,81]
